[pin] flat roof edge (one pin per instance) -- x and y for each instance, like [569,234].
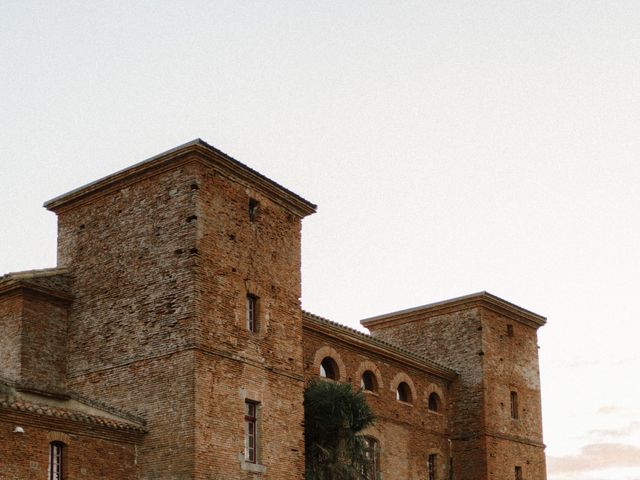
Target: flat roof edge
[479,298]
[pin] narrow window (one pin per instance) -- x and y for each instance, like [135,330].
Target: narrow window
[434,402]
[514,404]
[329,368]
[372,456]
[431,464]
[251,431]
[403,392]
[518,473]
[253,209]
[510,330]
[252,313]
[368,381]
[55,461]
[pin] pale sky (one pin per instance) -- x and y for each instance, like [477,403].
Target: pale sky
[452,147]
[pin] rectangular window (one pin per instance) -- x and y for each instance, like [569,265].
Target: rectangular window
[55,460]
[518,473]
[252,313]
[431,463]
[372,455]
[510,330]
[514,404]
[251,431]
[253,209]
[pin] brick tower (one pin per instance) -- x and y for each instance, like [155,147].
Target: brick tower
[185,271]
[496,426]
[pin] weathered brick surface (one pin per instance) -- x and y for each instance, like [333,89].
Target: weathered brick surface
[10,340]
[146,313]
[44,344]
[486,441]
[407,432]
[87,457]
[33,344]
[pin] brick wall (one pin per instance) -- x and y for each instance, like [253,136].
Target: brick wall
[453,339]
[407,432]
[132,256]
[240,255]
[44,344]
[493,362]
[161,265]
[86,456]
[10,340]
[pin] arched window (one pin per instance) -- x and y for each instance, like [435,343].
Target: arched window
[434,402]
[403,392]
[368,381]
[372,454]
[329,368]
[56,461]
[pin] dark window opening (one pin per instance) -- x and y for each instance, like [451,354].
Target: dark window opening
[329,368]
[252,313]
[56,465]
[518,472]
[372,456]
[368,381]
[403,392]
[431,464]
[434,402]
[514,404]
[510,330]
[253,209]
[251,431]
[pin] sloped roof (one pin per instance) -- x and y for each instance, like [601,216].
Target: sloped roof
[206,153]
[383,347]
[58,412]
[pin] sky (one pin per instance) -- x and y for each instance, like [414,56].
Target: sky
[452,147]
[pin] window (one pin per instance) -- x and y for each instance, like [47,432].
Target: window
[403,392]
[252,313]
[251,431]
[253,209]
[434,402]
[514,405]
[372,455]
[329,368]
[368,381]
[510,330]
[518,473]
[56,461]
[431,466]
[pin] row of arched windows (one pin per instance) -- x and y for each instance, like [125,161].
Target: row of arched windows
[369,383]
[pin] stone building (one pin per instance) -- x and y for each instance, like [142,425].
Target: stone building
[169,343]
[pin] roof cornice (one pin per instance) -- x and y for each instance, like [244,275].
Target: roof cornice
[480,299]
[362,341]
[11,286]
[196,150]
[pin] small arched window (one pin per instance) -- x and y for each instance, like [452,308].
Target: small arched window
[434,402]
[329,368]
[403,392]
[368,381]
[56,461]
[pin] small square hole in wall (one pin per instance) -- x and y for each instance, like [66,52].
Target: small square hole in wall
[253,209]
